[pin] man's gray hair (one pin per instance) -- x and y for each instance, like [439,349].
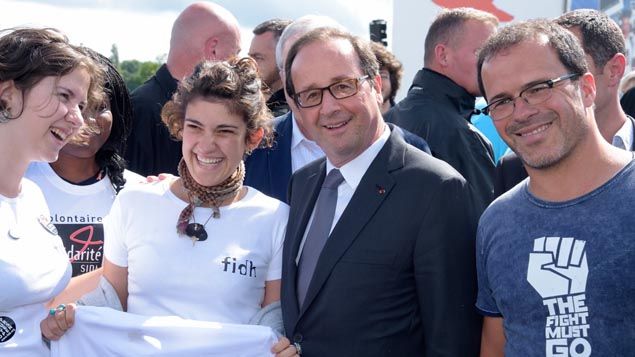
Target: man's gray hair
[299,27]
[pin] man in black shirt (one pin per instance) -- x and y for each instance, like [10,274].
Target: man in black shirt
[202,31]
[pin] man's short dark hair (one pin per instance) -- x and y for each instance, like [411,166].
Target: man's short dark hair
[274,25]
[367,60]
[389,62]
[565,44]
[601,37]
[448,25]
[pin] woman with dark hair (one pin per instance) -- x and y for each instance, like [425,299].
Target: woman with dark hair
[211,248]
[45,84]
[81,185]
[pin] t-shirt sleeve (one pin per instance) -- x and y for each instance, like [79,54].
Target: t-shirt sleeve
[274,271]
[115,249]
[485,302]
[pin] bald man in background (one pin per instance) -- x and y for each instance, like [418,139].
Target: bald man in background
[203,31]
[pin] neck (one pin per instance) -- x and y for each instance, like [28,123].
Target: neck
[177,72]
[179,190]
[13,163]
[385,106]
[590,165]
[610,119]
[275,86]
[75,169]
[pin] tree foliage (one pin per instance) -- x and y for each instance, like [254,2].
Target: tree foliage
[134,72]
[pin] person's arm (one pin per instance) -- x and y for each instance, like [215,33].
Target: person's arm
[117,277]
[272,292]
[493,337]
[445,272]
[78,286]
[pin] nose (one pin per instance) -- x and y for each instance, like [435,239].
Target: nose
[74,115]
[329,103]
[207,142]
[522,109]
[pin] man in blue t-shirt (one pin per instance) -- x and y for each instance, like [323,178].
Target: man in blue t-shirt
[555,260]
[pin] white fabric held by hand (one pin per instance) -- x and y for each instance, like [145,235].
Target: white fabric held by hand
[102,331]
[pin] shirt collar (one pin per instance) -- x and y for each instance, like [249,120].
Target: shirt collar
[296,135]
[624,135]
[354,170]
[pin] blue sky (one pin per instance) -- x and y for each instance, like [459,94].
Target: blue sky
[141,28]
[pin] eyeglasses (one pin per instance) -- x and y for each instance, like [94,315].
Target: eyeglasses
[339,90]
[536,94]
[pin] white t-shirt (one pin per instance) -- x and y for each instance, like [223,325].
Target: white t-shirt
[102,331]
[220,279]
[77,212]
[33,269]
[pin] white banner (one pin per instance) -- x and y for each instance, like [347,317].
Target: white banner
[106,332]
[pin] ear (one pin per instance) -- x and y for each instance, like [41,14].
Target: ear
[377,87]
[587,89]
[254,138]
[441,54]
[210,48]
[614,69]
[8,94]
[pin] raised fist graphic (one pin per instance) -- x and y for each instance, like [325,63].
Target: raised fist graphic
[558,266]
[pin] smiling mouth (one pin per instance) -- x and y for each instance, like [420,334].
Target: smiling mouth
[208,161]
[338,125]
[538,130]
[59,134]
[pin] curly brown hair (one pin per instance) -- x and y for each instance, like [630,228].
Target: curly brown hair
[27,55]
[235,83]
[389,62]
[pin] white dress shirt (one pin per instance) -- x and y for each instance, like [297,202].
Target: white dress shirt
[303,150]
[353,172]
[623,139]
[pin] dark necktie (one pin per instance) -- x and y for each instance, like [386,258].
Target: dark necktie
[318,232]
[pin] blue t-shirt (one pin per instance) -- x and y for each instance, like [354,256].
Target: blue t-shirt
[562,275]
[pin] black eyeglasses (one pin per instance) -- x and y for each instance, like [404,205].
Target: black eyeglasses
[339,90]
[535,94]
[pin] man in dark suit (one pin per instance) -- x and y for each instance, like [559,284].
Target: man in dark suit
[603,44]
[390,270]
[269,170]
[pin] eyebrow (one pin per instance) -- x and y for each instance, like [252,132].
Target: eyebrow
[221,126]
[333,81]
[524,87]
[70,91]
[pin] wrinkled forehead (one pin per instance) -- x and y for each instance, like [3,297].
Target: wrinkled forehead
[512,68]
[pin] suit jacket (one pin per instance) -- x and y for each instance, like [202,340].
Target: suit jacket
[510,171]
[269,169]
[397,274]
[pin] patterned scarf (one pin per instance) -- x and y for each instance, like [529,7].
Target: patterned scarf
[199,195]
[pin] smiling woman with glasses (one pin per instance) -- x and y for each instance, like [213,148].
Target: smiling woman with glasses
[339,90]
[540,92]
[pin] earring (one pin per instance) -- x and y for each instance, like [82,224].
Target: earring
[5,115]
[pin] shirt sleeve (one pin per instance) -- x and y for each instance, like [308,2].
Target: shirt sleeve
[485,303]
[274,271]
[115,249]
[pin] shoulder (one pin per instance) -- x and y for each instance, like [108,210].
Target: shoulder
[133,178]
[263,203]
[31,192]
[282,120]
[140,192]
[502,206]
[418,165]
